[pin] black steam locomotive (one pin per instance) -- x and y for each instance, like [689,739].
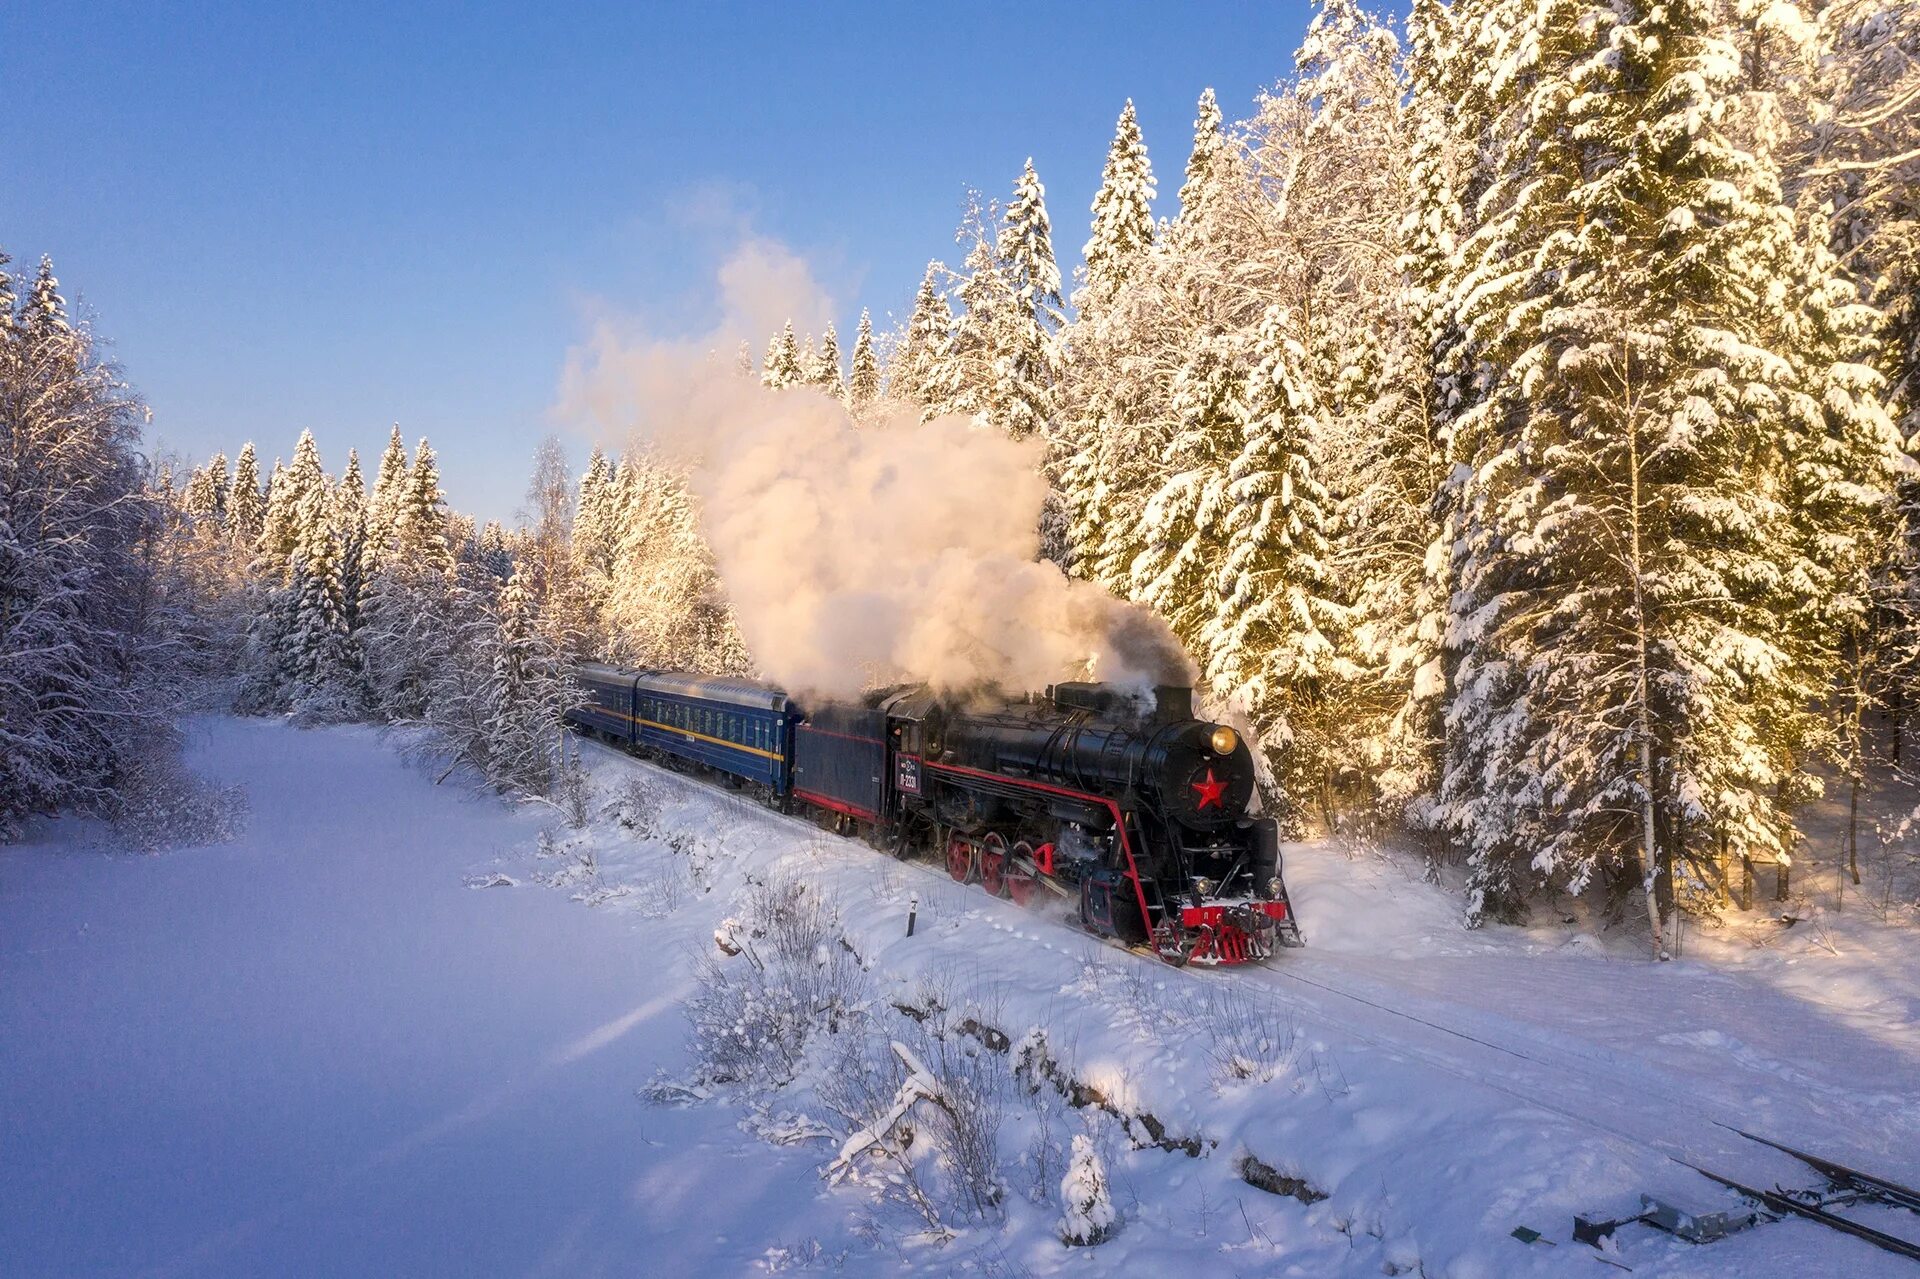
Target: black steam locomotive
[1131,808]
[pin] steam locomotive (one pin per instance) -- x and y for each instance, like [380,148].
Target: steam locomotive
[1128,807]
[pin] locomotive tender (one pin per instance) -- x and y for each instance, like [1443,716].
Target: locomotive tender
[1138,812]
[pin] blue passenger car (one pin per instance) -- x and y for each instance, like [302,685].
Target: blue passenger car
[732,725]
[607,700]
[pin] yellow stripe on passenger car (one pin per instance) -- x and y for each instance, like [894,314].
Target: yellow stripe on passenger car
[687,732]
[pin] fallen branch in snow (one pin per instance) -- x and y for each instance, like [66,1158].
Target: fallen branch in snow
[918,1086]
[1034,1065]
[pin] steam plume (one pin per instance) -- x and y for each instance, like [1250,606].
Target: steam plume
[854,556]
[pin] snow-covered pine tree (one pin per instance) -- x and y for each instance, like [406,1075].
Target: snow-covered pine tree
[526,695]
[1028,355]
[1122,213]
[1274,648]
[919,362]
[1088,1214]
[824,369]
[383,504]
[246,504]
[863,386]
[1183,527]
[1640,594]
[205,499]
[1209,141]
[350,528]
[782,366]
[420,523]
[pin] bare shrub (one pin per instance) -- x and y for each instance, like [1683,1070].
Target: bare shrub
[1252,1042]
[756,1013]
[636,806]
[159,804]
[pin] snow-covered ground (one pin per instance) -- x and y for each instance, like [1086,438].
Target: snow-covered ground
[327,1048]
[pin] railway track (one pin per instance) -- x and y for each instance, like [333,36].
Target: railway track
[1622,1099]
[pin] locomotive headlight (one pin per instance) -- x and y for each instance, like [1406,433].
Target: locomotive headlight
[1223,741]
[1203,886]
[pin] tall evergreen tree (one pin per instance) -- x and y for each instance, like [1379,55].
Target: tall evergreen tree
[383,505]
[782,367]
[863,387]
[1209,142]
[1274,647]
[1184,525]
[1122,212]
[1643,613]
[922,356]
[246,504]
[420,524]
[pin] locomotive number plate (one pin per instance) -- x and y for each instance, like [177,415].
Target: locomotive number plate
[906,774]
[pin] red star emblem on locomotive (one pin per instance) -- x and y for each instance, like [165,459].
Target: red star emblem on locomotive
[1209,791]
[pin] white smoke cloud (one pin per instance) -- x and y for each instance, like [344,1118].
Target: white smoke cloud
[854,556]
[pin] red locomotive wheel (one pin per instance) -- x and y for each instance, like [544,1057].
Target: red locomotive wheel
[993,864]
[960,858]
[1021,885]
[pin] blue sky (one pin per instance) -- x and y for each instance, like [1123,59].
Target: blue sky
[342,216]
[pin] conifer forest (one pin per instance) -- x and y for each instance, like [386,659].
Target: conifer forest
[1511,418]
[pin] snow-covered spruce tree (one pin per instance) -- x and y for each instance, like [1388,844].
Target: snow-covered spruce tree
[295,488]
[527,696]
[1639,658]
[1337,146]
[1111,390]
[410,599]
[1122,213]
[81,712]
[1028,357]
[560,597]
[1275,646]
[1002,361]
[665,607]
[205,500]
[1184,525]
[596,537]
[420,524]
[824,370]
[246,503]
[1859,166]
[1209,141]
[350,527]
[782,366]
[322,661]
[278,667]
[493,550]
[863,385]
[383,504]
[1089,1217]
[920,359]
